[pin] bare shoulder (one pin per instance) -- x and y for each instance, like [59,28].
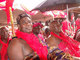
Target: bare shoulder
[15,41]
[15,49]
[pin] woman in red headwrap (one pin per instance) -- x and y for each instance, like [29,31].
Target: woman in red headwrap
[37,27]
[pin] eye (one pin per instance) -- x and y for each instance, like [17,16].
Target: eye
[29,21]
[60,20]
[23,22]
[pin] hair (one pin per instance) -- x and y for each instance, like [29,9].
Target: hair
[47,30]
[2,29]
[20,16]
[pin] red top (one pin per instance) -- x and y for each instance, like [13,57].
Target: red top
[78,24]
[68,29]
[68,45]
[34,43]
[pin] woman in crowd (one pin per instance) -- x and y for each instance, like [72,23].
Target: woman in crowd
[53,43]
[77,35]
[4,39]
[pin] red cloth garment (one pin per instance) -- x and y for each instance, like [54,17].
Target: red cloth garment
[65,26]
[68,29]
[68,45]
[34,43]
[2,7]
[78,24]
[3,51]
[9,3]
[2,0]
[37,24]
[41,37]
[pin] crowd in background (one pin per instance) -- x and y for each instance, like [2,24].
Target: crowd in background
[42,31]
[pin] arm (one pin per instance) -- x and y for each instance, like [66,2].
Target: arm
[15,50]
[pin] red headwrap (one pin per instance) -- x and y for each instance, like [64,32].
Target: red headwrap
[37,24]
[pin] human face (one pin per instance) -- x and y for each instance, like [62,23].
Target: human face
[25,25]
[36,30]
[60,20]
[4,34]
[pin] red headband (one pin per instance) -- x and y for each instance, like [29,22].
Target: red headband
[37,24]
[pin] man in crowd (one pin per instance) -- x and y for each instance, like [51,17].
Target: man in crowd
[26,42]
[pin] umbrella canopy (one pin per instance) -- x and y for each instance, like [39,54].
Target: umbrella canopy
[44,5]
[58,4]
[75,10]
[2,5]
[56,13]
[2,0]
[39,16]
[3,17]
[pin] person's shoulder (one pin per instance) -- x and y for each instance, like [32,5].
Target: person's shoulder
[15,42]
[14,49]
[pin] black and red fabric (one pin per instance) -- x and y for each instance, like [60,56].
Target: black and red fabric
[37,24]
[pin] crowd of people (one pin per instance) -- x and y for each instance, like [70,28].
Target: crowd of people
[34,41]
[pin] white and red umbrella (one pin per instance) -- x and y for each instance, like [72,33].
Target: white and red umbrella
[56,13]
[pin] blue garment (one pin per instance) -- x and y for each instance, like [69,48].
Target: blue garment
[56,54]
